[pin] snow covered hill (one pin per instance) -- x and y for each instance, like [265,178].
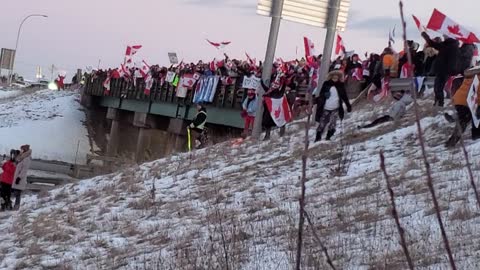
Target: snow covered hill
[236,207]
[50,121]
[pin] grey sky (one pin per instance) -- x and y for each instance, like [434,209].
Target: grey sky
[79,33]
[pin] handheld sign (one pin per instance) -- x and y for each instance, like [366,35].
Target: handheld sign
[170,76]
[173,58]
[251,82]
[472,100]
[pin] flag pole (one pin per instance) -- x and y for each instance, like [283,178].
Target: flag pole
[277,7]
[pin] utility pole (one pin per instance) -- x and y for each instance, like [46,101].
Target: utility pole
[277,7]
[333,10]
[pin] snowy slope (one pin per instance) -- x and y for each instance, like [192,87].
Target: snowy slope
[238,206]
[6,93]
[50,121]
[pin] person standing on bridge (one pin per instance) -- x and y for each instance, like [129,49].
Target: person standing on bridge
[198,127]
[23,165]
[7,180]
[445,64]
[249,110]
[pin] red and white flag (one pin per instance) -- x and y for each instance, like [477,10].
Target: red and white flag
[309,47]
[219,45]
[148,84]
[441,23]
[378,95]
[188,81]
[407,71]
[340,48]
[106,85]
[132,50]
[251,61]
[357,74]
[145,69]
[419,25]
[279,110]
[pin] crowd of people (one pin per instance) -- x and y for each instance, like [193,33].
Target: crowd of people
[13,180]
[442,58]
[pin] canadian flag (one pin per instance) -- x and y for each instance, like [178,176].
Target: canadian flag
[124,71]
[145,69]
[419,25]
[340,48]
[188,81]
[441,23]
[252,61]
[309,47]
[148,84]
[106,85]
[219,45]
[279,110]
[377,95]
[407,71]
[132,50]
[357,74]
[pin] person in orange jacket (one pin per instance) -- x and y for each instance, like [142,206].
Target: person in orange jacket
[464,115]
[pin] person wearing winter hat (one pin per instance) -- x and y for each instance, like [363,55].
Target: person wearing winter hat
[23,165]
[198,126]
[6,181]
[330,104]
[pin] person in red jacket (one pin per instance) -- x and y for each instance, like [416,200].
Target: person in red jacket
[6,181]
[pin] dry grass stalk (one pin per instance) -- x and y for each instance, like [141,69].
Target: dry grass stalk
[401,231]
[469,169]
[421,139]
[319,241]
[301,220]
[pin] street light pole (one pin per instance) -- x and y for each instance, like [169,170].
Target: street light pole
[16,43]
[277,8]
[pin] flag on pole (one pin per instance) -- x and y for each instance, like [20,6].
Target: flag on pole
[132,50]
[148,84]
[145,69]
[391,37]
[252,61]
[340,48]
[106,85]
[419,25]
[441,23]
[309,47]
[279,110]
[219,45]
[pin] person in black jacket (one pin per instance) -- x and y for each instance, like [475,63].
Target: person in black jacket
[330,104]
[445,64]
[198,126]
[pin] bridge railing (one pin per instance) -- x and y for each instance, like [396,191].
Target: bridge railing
[226,96]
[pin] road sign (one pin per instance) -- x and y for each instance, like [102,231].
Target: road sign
[7,57]
[311,12]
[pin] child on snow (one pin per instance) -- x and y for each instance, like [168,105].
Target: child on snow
[330,104]
[6,181]
[249,107]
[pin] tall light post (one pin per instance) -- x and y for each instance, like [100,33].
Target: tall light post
[16,43]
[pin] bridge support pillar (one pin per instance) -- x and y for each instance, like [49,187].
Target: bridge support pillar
[177,131]
[114,137]
[140,121]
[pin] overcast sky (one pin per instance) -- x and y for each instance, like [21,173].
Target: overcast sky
[79,33]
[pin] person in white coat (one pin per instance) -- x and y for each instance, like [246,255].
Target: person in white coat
[23,165]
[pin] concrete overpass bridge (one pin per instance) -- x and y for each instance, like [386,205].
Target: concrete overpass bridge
[137,121]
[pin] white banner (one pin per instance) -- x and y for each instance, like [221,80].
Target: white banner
[251,82]
[472,100]
[170,76]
